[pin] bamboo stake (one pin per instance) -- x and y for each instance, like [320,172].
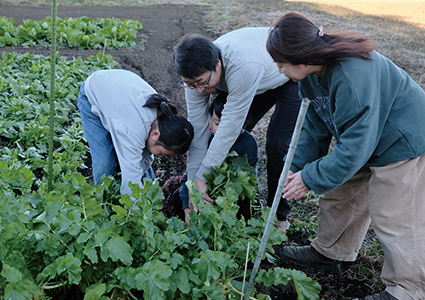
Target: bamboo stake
[278,195]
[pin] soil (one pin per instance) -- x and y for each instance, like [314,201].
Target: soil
[162,26]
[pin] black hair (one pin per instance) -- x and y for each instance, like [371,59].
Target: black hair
[194,55]
[217,104]
[176,132]
[296,40]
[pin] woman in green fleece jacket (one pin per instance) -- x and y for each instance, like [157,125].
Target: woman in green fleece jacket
[376,171]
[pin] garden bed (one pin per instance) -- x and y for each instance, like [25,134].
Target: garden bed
[152,59]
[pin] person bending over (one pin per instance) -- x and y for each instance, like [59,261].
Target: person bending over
[126,122]
[236,63]
[376,171]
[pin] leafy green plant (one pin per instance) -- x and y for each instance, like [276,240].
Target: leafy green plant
[303,216]
[83,32]
[234,179]
[7,32]
[87,237]
[83,235]
[24,125]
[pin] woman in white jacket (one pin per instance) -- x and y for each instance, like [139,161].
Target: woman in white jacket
[126,122]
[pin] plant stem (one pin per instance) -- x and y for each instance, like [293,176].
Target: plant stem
[50,287]
[239,292]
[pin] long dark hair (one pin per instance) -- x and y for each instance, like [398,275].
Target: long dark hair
[194,55]
[176,132]
[296,40]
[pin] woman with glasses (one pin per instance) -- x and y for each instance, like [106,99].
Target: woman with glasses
[126,122]
[376,171]
[236,63]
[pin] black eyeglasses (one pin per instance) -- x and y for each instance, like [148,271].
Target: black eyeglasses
[194,86]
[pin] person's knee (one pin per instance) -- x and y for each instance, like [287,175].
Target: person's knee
[101,168]
[275,149]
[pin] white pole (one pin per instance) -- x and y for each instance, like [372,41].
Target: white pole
[294,141]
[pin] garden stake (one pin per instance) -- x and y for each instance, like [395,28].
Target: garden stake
[244,273]
[278,195]
[52,97]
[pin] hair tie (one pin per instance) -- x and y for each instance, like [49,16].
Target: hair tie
[164,108]
[320,32]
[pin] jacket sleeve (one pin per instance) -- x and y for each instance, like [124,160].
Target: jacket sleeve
[355,114]
[199,117]
[313,142]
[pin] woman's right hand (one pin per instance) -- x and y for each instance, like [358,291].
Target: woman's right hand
[294,186]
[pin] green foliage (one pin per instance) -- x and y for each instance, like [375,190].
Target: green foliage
[83,32]
[303,216]
[24,98]
[234,179]
[305,286]
[85,235]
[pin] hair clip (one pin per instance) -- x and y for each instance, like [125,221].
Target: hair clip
[320,32]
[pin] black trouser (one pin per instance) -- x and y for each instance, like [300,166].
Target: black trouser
[279,133]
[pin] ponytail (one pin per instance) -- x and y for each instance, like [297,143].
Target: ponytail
[176,132]
[162,104]
[296,40]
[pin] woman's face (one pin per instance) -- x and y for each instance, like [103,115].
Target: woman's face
[294,72]
[156,149]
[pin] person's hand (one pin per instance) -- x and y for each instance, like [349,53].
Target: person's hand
[186,216]
[294,186]
[202,187]
[192,207]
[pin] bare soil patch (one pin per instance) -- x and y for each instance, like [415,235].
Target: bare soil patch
[162,26]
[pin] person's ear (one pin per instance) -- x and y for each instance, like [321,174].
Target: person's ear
[218,64]
[155,132]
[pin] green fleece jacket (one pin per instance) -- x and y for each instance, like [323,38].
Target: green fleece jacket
[375,111]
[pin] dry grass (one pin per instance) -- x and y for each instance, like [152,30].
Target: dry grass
[402,42]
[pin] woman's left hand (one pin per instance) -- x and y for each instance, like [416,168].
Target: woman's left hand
[294,186]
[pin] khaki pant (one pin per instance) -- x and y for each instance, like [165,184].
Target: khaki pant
[393,196]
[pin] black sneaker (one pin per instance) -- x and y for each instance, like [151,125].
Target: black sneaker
[306,256]
[380,296]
